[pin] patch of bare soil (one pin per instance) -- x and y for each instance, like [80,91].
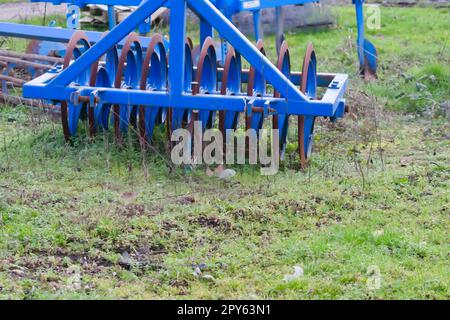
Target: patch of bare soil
[212,222]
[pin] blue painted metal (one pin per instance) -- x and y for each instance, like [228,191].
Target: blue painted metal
[367,53]
[167,87]
[147,8]
[56,85]
[51,34]
[111,17]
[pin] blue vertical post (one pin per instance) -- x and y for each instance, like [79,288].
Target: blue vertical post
[224,45]
[177,44]
[111,17]
[4,84]
[279,13]
[360,25]
[206,30]
[259,33]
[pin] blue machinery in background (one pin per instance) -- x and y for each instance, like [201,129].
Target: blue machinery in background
[121,79]
[367,52]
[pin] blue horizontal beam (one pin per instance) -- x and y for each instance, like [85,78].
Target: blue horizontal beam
[82,3]
[327,106]
[17,30]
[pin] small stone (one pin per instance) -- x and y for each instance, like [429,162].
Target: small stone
[406,161]
[125,259]
[433,79]
[197,272]
[378,233]
[227,174]
[445,108]
[298,272]
[421,86]
[18,272]
[208,277]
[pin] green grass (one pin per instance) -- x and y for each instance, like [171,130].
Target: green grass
[376,194]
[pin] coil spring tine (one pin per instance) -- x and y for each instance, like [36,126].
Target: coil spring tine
[180,118]
[206,79]
[71,113]
[306,123]
[153,78]
[127,76]
[281,121]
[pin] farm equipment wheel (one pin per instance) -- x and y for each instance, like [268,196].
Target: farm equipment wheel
[153,78]
[129,68]
[71,113]
[281,121]
[231,85]
[102,77]
[309,88]
[101,112]
[256,87]
[179,118]
[206,80]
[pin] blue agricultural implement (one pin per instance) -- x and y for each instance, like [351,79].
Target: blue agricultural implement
[127,81]
[367,52]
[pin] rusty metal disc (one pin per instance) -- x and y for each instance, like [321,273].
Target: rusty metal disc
[127,76]
[281,121]
[206,79]
[72,52]
[180,118]
[102,77]
[231,85]
[256,86]
[153,77]
[308,86]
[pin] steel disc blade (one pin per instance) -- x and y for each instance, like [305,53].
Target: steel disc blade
[128,74]
[281,121]
[182,116]
[309,87]
[206,79]
[70,113]
[256,87]
[153,78]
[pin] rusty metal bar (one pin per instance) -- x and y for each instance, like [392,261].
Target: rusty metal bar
[29,56]
[17,101]
[24,63]
[15,81]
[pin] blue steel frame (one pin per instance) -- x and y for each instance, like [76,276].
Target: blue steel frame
[227,7]
[56,84]
[367,53]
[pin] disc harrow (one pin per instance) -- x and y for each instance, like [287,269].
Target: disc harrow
[123,82]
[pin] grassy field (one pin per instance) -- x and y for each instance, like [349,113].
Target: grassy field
[368,220]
